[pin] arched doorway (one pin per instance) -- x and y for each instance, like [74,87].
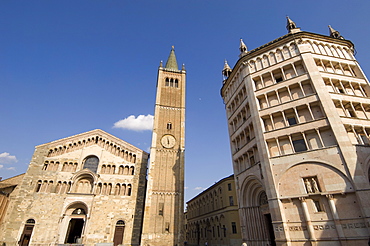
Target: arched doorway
[75,221]
[257,221]
[75,226]
[118,232]
[264,208]
[27,233]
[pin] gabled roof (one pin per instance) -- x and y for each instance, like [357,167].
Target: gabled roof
[13,181]
[88,136]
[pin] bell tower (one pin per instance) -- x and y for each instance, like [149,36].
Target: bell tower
[164,205]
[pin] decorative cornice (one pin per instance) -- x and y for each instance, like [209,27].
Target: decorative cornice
[165,193]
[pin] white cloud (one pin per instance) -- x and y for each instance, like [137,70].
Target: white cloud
[6,158]
[140,123]
[1,166]
[198,188]
[11,168]
[186,187]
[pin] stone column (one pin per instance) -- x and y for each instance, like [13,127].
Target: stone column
[334,212]
[307,217]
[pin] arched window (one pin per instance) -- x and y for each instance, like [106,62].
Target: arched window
[120,170]
[176,83]
[118,233]
[98,189]
[65,165]
[126,170]
[84,185]
[58,187]
[92,162]
[45,167]
[103,168]
[109,189]
[123,190]
[118,188]
[27,233]
[128,193]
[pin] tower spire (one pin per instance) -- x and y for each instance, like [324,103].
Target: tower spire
[243,48]
[334,33]
[171,61]
[226,71]
[291,26]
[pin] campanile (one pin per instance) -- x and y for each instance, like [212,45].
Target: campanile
[164,205]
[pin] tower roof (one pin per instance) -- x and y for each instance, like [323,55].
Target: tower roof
[171,61]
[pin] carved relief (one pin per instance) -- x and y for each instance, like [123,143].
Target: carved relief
[311,185]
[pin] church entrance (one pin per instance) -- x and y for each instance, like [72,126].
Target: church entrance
[75,224]
[74,231]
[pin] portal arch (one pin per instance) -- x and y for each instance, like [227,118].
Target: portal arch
[74,223]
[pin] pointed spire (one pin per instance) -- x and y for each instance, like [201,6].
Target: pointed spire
[242,47]
[291,26]
[227,70]
[171,61]
[334,33]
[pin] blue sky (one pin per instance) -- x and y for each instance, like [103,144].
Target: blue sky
[67,67]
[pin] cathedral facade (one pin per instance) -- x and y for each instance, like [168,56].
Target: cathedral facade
[90,189]
[86,189]
[298,111]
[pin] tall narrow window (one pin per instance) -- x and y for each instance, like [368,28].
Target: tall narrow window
[233,227]
[160,209]
[231,200]
[318,206]
[169,126]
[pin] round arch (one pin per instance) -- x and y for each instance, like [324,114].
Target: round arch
[74,221]
[251,189]
[330,178]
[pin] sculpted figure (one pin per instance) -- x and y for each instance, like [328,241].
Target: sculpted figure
[315,188]
[308,185]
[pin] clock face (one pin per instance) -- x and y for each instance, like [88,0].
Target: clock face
[168,141]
